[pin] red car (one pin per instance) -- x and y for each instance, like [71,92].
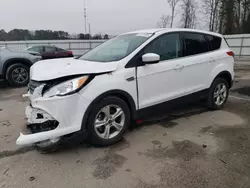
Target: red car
[50,52]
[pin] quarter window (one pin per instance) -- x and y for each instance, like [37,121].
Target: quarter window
[214,42]
[195,43]
[166,46]
[59,49]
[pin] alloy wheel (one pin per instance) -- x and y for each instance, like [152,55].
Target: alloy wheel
[109,121]
[220,94]
[20,75]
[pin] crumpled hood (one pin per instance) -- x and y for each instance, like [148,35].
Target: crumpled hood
[58,68]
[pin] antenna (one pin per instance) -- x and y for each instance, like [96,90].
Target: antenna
[85,16]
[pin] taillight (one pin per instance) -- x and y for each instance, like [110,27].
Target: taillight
[70,53]
[230,53]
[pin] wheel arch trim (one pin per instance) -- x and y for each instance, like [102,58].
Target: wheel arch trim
[12,61]
[117,93]
[222,74]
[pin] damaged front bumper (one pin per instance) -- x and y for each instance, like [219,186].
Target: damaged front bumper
[51,118]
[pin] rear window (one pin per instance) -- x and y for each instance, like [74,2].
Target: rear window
[195,43]
[214,42]
[59,49]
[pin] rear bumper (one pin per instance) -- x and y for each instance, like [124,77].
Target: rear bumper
[68,111]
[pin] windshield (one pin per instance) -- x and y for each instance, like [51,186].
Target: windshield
[116,48]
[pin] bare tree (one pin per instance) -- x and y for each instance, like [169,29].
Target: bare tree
[173,4]
[232,16]
[211,12]
[238,14]
[246,16]
[188,13]
[164,21]
[245,5]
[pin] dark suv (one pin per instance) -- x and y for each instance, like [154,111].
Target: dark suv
[15,65]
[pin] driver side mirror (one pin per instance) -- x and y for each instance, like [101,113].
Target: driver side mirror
[151,58]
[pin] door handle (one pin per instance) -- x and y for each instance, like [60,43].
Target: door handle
[211,61]
[178,66]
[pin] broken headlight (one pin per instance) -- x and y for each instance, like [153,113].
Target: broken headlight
[67,87]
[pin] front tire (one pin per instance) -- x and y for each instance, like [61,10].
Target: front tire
[108,121]
[18,75]
[218,94]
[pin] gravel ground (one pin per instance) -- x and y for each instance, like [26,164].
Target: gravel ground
[195,148]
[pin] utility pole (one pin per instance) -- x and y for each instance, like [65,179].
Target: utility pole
[89,31]
[85,16]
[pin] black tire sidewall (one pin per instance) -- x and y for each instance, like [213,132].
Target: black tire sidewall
[92,135]
[9,73]
[211,102]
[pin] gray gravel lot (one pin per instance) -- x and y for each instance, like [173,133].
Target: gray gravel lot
[198,148]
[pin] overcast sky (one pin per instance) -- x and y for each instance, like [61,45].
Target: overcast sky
[105,16]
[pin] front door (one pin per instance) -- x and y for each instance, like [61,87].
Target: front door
[158,83]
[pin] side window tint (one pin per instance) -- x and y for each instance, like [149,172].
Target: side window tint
[50,49]
[38,49]
[214,42]
[167,46]
[195,43]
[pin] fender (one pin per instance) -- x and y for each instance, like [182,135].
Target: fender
[118,93]
[222,69]
[13,61]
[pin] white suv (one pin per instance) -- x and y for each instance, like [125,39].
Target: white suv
[127,78]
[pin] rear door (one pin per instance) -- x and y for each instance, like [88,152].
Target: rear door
[197,64]
[49,53]
[61,53]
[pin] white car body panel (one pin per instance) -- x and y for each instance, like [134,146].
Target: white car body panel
[69,117]
[112,82]
[157,83]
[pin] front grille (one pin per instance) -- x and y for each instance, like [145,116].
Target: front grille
[33,85]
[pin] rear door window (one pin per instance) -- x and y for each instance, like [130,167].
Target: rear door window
[214,42]
[194,43]
[50,49]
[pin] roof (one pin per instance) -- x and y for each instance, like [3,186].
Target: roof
[42,45]
[165,30]
[145,31]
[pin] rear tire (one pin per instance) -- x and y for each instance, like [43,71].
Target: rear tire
[218,94]
[106,111]
[17,75]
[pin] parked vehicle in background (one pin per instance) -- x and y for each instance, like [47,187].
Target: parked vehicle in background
[15,65]
[134,75]
[50,52]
